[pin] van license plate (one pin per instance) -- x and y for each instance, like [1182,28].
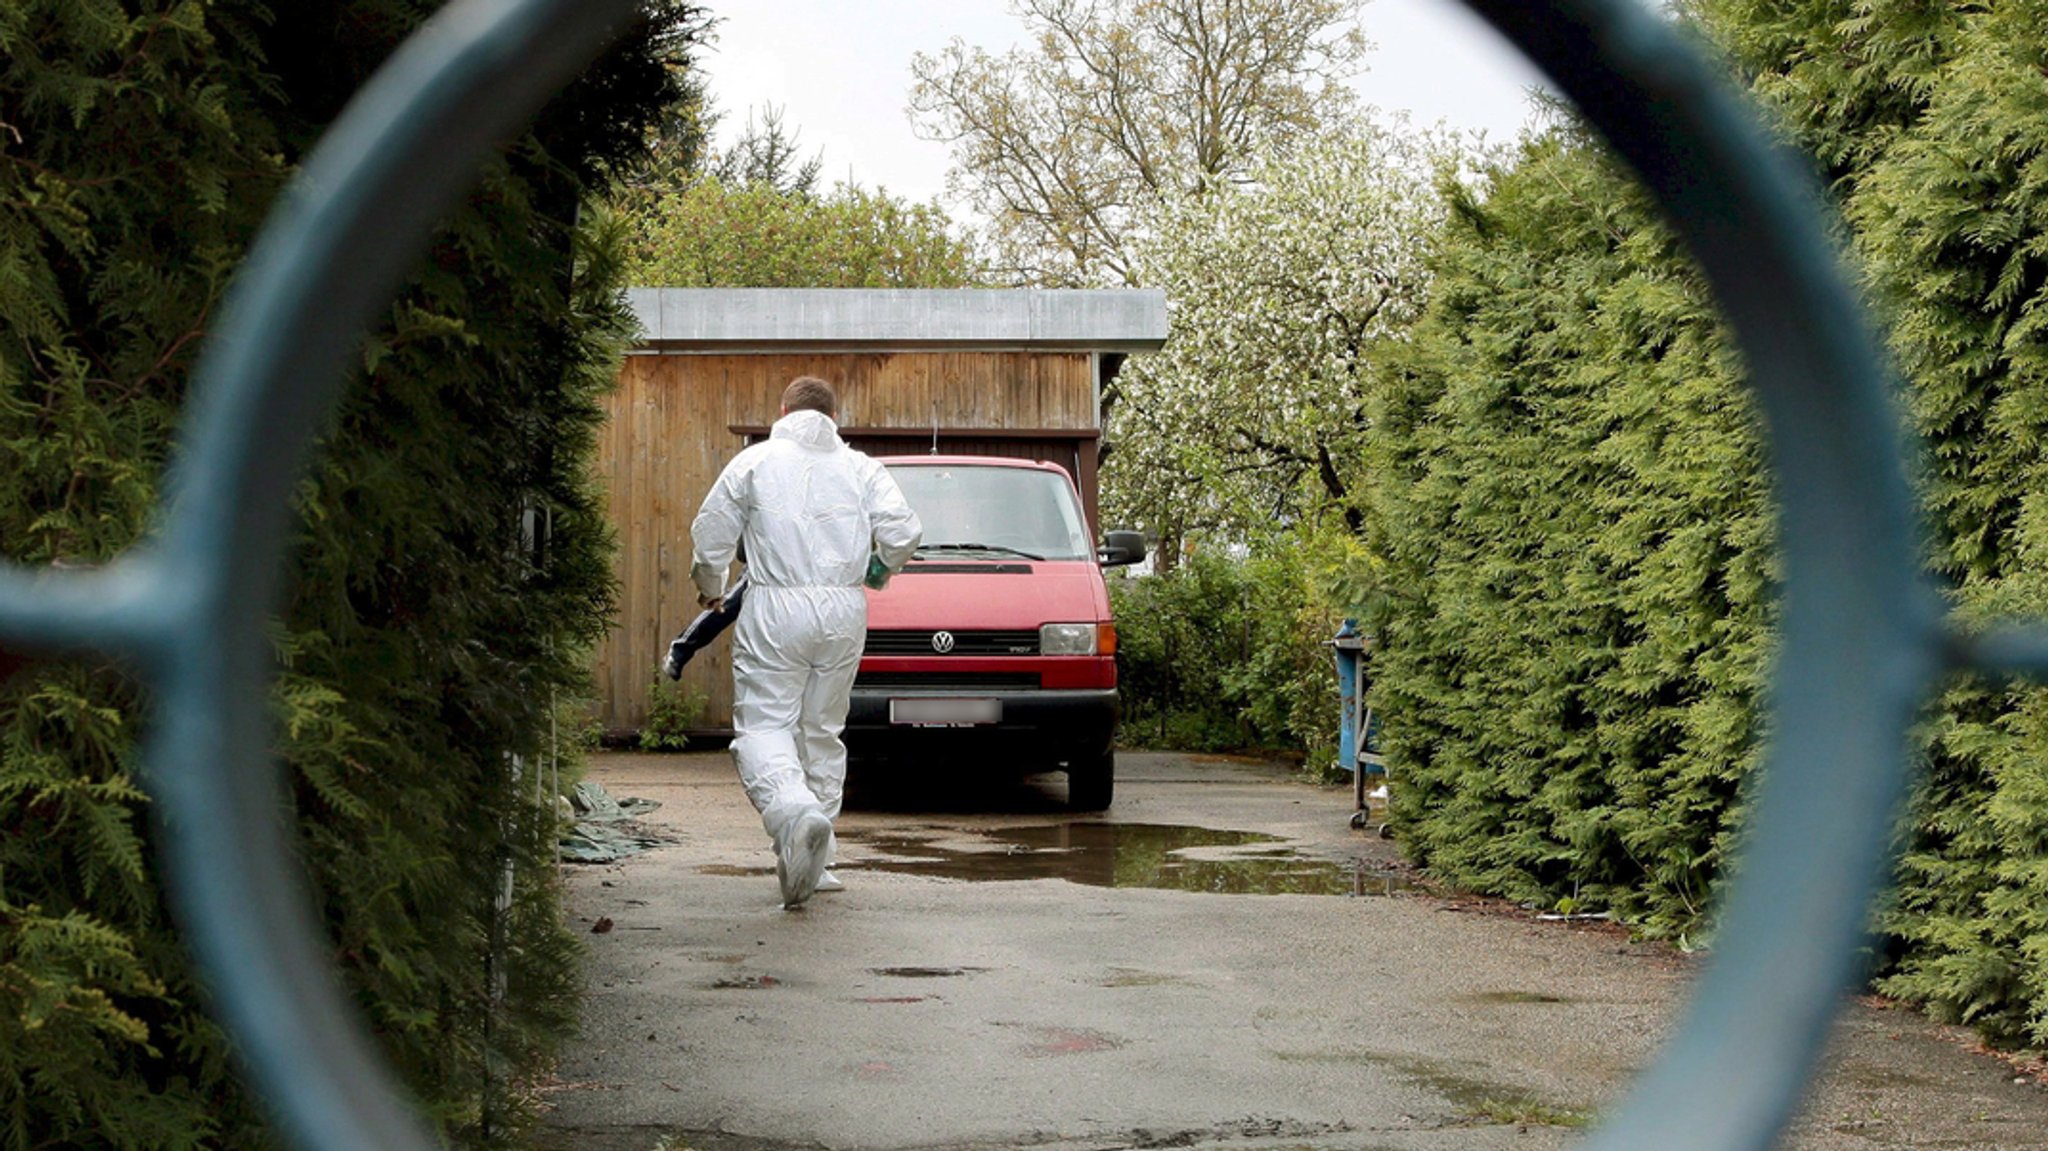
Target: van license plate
[945,712]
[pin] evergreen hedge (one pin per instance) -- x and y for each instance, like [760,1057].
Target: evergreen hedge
[1575,612]
[1569,506]
[1948,201]
[425,646]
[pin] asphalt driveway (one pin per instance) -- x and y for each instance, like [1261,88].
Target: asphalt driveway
[1218,961]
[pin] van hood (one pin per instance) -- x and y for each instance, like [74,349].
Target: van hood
[987,596]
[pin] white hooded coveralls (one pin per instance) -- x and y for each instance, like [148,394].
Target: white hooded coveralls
[810,510]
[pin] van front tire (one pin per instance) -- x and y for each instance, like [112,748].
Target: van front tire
[1091,782]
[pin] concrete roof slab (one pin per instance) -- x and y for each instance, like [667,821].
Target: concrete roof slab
[766,319]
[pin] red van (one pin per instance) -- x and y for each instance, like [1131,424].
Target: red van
[994,646]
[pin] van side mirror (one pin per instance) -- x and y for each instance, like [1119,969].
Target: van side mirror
[1120,548]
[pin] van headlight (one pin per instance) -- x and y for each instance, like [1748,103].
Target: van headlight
[1077,639]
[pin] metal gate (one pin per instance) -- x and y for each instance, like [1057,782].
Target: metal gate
[1863,632]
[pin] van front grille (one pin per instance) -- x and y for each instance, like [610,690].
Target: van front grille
[952,643]
[949,681]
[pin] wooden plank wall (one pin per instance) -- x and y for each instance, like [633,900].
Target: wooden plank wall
[668,433]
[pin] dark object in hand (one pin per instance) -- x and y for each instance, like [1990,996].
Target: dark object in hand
[709,625]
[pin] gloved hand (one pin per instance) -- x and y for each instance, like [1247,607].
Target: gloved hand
[878,573]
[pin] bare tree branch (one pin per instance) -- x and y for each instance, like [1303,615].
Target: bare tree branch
[1117,105]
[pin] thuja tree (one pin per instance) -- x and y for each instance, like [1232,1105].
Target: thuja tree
[1570,522]
[448,573]
[1572,723]
[1941,109]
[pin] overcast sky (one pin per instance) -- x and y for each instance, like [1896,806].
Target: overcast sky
[840,70]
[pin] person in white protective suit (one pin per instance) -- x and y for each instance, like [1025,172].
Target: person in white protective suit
[818,520]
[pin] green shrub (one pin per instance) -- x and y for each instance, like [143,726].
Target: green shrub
[672,713]
[1229,653]
[1176,633]
[1931,125]
[1288,680]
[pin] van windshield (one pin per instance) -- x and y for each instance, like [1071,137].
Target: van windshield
[995,511]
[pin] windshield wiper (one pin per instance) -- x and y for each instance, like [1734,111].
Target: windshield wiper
[998,549]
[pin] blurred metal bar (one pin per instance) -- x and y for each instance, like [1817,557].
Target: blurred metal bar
[131,606]
[2010,649]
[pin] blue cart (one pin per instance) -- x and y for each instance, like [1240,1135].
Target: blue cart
[1358,730]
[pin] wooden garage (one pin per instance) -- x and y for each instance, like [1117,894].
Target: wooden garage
[986,372]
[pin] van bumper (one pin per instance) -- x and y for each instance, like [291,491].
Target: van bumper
[1048,726]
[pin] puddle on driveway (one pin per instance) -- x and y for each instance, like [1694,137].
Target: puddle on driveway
[1163,856]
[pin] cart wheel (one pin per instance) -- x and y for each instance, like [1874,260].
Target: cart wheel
[1358,820]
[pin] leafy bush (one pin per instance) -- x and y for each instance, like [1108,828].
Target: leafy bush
[1930,125]
[672,712]
[1175,634]
[713,234]
[1288,681]
[1230,654]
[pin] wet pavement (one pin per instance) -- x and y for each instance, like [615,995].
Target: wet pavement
[1165,857]
[1218,961]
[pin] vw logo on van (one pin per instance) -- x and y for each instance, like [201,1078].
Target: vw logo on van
[942,642]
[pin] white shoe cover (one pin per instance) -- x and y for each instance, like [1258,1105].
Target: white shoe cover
[828,883]
[803,853]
